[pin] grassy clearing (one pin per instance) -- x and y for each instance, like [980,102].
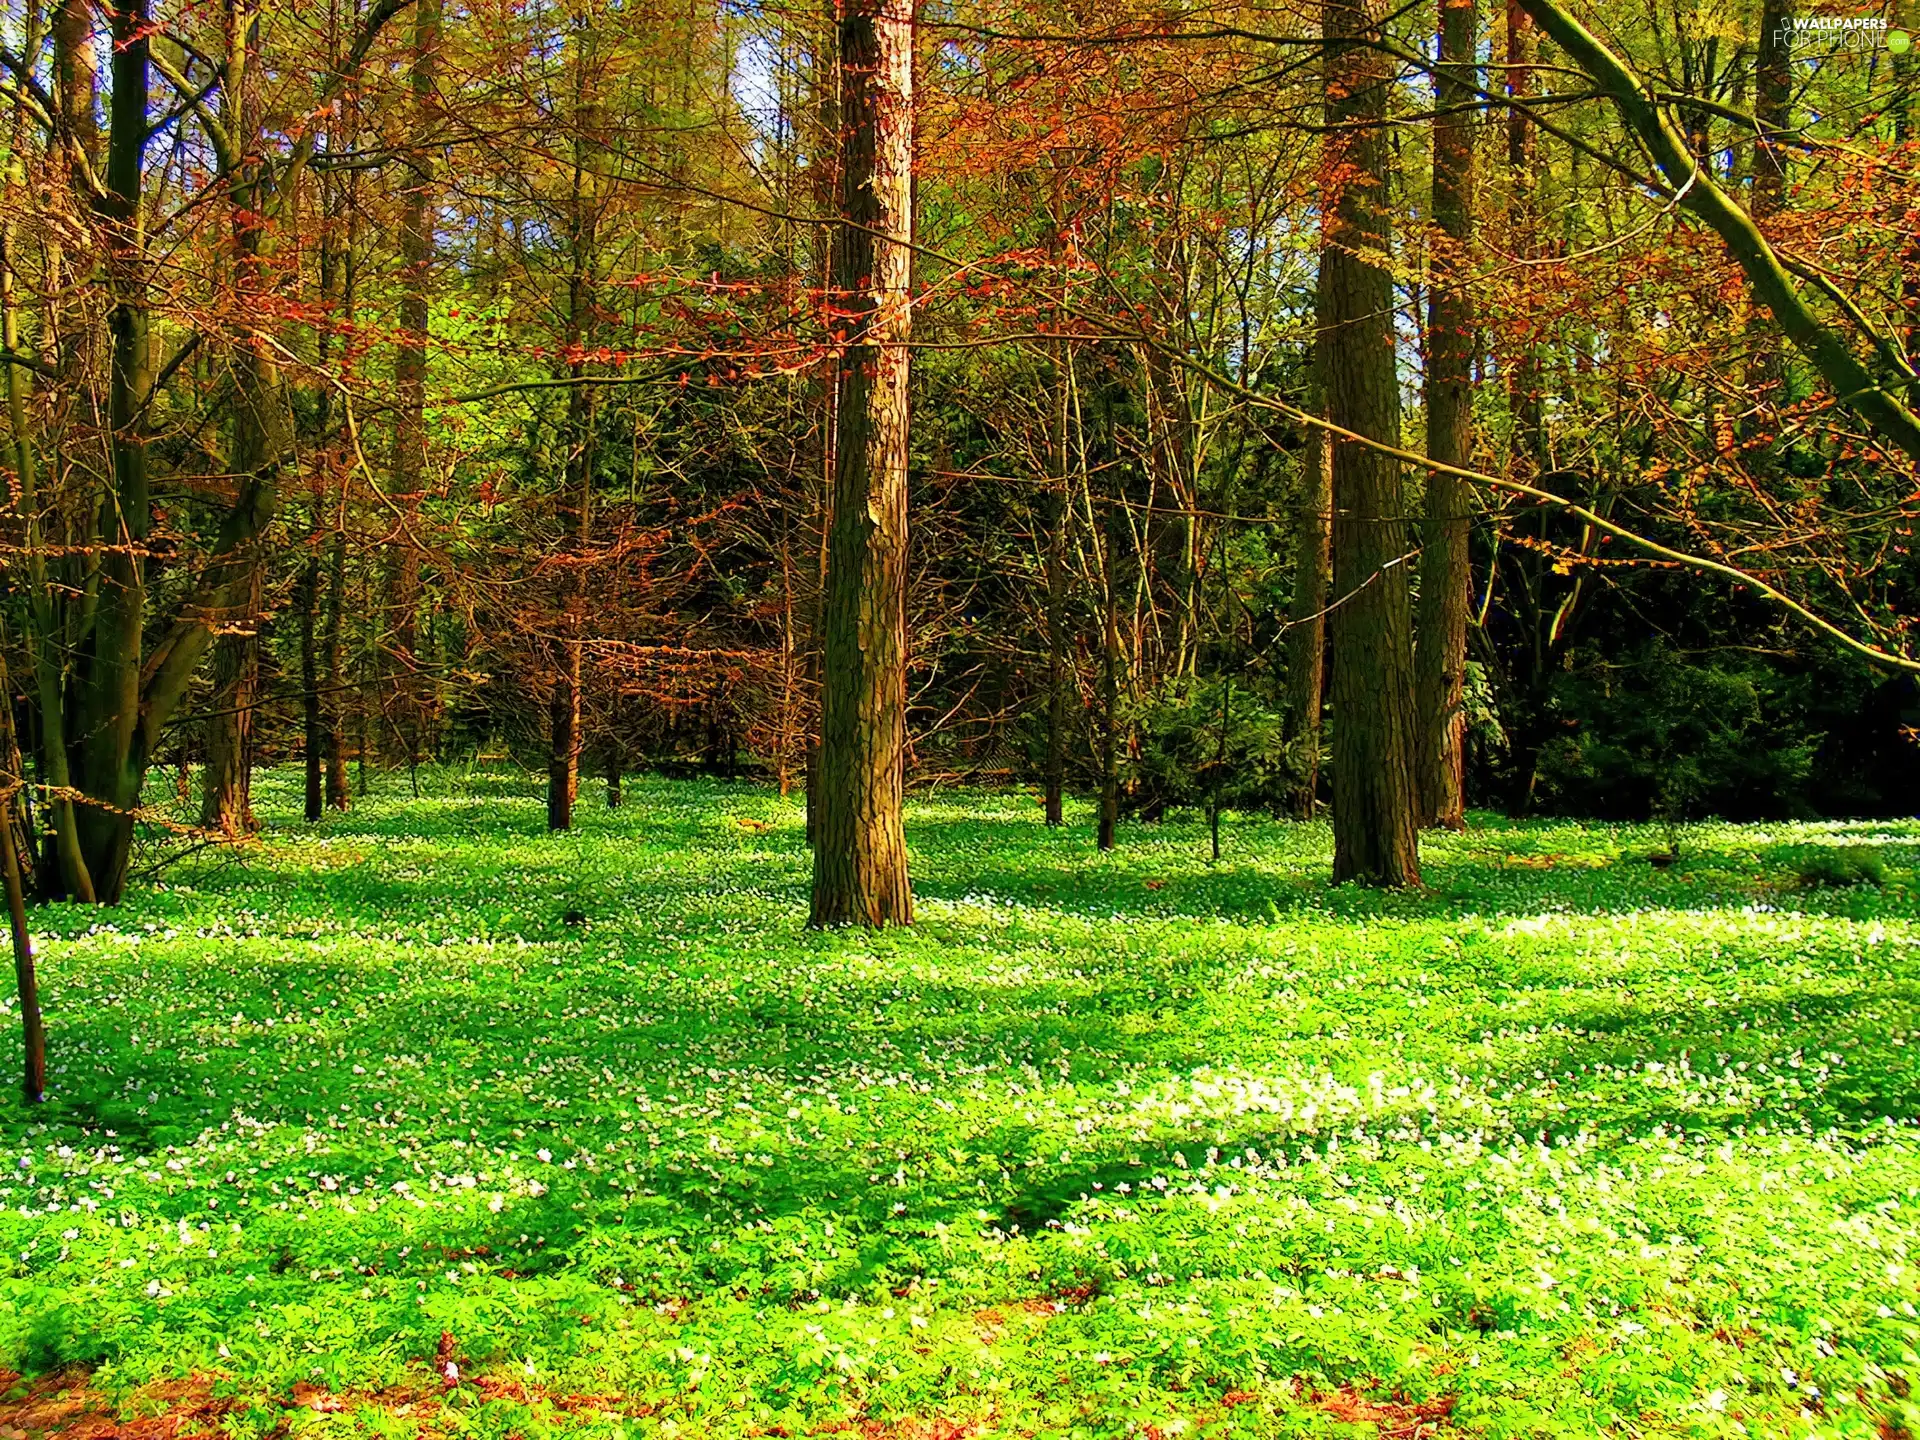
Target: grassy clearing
[1571,1145]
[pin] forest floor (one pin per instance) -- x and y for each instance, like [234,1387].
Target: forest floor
[355,1133]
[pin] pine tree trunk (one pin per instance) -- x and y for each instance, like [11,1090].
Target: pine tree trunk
[1375,838]
[1441,658]
[860,853]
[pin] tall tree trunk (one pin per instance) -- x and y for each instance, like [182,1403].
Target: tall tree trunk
[1375,837]
[860,852]
[1111,660]
[1307,608]
[1441,658]
[826,200]
[408,468]
[67,874]
[1773,117]
[565,737]
[1523,241]
[110,741]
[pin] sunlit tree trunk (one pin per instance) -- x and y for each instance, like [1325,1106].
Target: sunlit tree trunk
[860,853]
[408,468]
[1375,837]
[1441,658]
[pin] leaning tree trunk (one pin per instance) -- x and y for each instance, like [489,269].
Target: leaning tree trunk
[860,852]
[1440,663]
[1374,835]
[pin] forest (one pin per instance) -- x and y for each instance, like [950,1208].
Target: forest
[953,718]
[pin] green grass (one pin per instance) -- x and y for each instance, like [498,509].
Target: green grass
[1122,1144]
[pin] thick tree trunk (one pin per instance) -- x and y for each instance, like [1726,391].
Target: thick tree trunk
[1375,838]
[1441,659]
[1307,611]
[860,853]
[110,741]
[226,782]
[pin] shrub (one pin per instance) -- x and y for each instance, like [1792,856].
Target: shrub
[1839,869]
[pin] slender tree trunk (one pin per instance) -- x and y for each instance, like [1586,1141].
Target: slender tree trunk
[1111,661]
[826,200]
[339,794]
[563,731]
[1307,610]
[1375,837]
[1523,239]
[32,1030]
[1058,658]
[1445,581]
[1773,117]
[313,721]
[67,874]
[860,853]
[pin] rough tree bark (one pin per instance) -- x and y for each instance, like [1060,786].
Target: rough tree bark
[860,852]
[1374,834]
[1440,661]
[408,466]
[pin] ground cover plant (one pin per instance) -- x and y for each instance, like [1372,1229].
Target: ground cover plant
[423,1120]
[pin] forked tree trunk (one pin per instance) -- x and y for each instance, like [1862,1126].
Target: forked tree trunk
[1374,835]
[1440,661]
[860,852]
